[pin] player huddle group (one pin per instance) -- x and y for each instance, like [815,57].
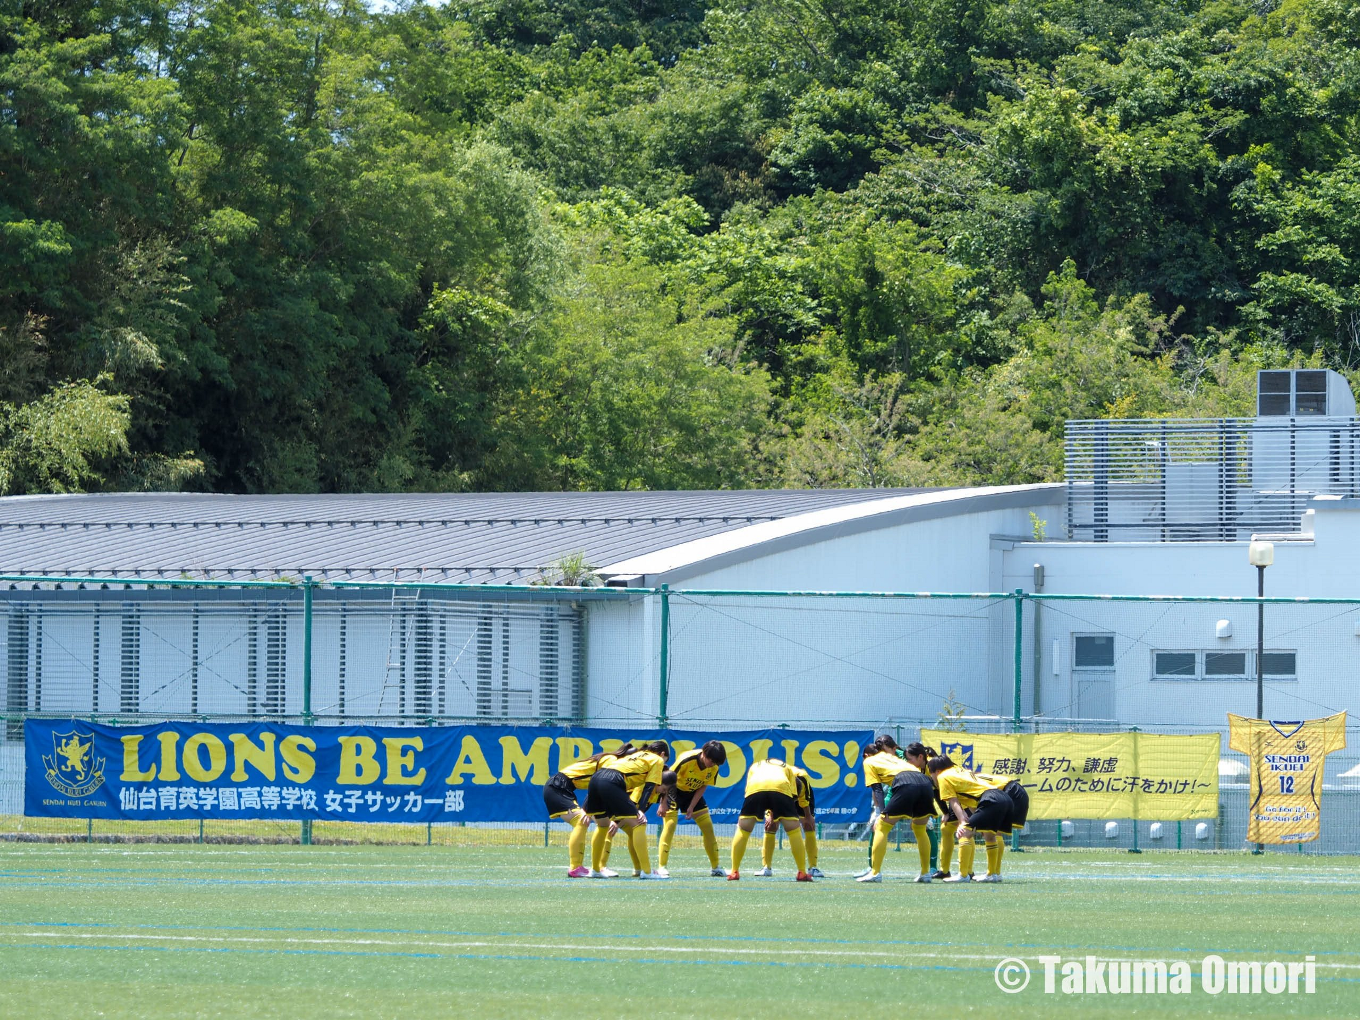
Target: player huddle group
[907,784]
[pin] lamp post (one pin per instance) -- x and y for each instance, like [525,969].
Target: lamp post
[1260,555]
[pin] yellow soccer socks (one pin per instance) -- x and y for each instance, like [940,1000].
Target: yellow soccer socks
[918,829]
[710,837]
[739,841]
[798,848]
[767,849]
[599,852]
[663,846]
[576,842]
[810,841]
[880,847]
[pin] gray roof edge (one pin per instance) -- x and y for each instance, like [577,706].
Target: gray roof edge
[929,506]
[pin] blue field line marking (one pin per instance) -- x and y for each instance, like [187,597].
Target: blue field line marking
[215,949]
[670,962]
[674,938]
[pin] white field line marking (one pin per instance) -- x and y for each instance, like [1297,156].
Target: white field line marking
[731,951]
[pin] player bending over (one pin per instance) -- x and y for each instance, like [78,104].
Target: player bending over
[559,796]
[919,755]
[807,804]
[694,772]
[991,805]
[608,799]
[770,786]
[911,795]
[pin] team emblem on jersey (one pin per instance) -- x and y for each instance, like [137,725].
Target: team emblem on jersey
[1300,745]
[73,769]
[959,754]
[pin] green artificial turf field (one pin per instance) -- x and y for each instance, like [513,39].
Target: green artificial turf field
[410,932]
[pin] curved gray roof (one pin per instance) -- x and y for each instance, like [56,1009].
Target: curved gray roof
[497,538]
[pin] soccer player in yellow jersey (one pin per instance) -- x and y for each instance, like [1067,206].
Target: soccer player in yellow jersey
[919,755]
[983,803]
[608,799]
[807,804]
[912,796]
[770,786]
[695,771]
[654,794]
[559,796]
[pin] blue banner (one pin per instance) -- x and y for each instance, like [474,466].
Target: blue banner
[76,769]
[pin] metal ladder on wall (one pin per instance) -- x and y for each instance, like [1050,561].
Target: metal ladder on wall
[398,643]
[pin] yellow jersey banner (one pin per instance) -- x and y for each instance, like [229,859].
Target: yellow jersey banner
[1154,776]
[1286,774]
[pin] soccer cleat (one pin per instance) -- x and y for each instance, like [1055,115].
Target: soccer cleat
[816,873]
[959,878]
[608,873]
[923,879]
[869,877]
[636,873]
[866,871]
[989,878]
[718,873]
[662,872]
[940,874]
[803,876]
[652,875]
[765,873]
[580,871]
[734,876]
[596,874]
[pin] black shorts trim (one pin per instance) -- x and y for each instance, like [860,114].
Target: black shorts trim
[1020,799]
[683,799]
[607,796]
[913,796]
[993,812]
[558,798]
[781,805]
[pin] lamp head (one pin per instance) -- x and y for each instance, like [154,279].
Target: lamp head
[1261,554]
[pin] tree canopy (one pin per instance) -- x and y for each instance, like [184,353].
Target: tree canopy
[309,245]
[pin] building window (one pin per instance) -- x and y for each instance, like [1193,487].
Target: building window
[1175,665]
[1205,665]
[1226,665]
[1093,651]
[1279,666]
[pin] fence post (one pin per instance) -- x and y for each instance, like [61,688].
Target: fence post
[307,586]
[1136,811]
[1019,677]
[665,655]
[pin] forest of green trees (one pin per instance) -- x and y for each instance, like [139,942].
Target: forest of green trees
[273,246]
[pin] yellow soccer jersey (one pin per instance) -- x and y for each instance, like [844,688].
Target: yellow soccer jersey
[689,776]
[770,775]
[579,772]
[884,767]
[967,786]
[1286,774]
[637,769]
[803,783]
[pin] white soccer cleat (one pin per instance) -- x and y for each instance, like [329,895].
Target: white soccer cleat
[870,877]
[922,879]
[989,878]
[866,871]
[717,873]
[662,872]
[958,878]
[607,873]
[816,873]
[652,875]
[765,873]
[597,874]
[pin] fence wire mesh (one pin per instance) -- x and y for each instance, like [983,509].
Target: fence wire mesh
[715,661]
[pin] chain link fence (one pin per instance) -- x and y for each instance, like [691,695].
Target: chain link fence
[133,653]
